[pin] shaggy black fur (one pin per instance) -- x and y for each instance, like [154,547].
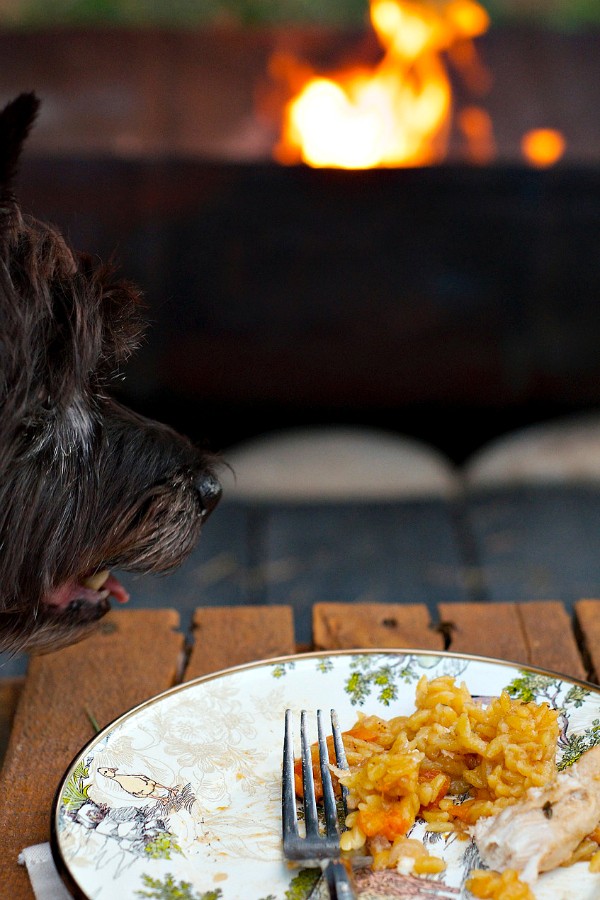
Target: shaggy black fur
[85,484]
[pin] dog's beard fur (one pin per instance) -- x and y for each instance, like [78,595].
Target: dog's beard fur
[85,484]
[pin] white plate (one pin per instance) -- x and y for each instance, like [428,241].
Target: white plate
[208,756]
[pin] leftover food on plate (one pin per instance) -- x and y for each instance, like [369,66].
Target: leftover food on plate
[542,831]
[482,767]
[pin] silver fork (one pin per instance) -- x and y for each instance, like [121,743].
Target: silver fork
[316,849]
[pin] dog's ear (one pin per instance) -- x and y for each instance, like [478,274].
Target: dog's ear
[16,120]
[67,323]
[115,326]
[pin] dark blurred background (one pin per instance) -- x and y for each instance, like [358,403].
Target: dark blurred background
[452,302]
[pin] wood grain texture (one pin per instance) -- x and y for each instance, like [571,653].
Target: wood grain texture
[550,638]
[587,613]
[10,691]
[140,651]
[487,629]
[230,636]
[346,625]
[537,633]
[536,541]
[365,552]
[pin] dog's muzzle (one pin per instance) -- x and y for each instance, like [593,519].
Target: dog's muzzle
[209,491]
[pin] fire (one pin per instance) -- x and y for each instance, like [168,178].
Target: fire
[542,147]
[396,113]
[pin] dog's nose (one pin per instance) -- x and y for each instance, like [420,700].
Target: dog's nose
[209,491]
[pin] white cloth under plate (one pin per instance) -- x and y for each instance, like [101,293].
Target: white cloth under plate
[45,880]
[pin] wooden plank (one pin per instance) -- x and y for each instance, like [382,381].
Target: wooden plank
[537,633]
[10,691]
[365,552]
[587,614]
[347,625]
[230,636]
[486,629]
[550,638]
[133,655]
[537,541]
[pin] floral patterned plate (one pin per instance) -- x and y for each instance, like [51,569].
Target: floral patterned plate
[180,797]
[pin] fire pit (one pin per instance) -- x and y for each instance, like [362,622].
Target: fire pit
[451,301]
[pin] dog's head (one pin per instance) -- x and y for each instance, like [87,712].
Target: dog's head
[85,484]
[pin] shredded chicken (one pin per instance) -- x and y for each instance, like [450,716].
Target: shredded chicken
[541,831]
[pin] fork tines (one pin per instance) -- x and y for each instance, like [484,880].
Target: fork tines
[316,848]
[315,845]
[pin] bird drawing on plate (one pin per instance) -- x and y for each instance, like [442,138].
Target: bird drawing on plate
[140,785]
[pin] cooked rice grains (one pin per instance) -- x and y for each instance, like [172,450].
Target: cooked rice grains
[424,764]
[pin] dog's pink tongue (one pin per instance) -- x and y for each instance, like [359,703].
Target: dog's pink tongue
[115,589]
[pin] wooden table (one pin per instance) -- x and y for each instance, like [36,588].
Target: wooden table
[138,653]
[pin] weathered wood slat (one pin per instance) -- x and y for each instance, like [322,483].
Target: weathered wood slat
[10,691]
[535,633]
[141,651]
[537,541]
[550,637]
[400,552]
[235,635]
[487,629]
[587,613]
[347,625]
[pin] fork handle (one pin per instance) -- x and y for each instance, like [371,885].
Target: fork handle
[338,881]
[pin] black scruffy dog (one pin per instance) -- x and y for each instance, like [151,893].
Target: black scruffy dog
[85,484]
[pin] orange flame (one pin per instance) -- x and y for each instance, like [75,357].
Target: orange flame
[394,114]
[543,147]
